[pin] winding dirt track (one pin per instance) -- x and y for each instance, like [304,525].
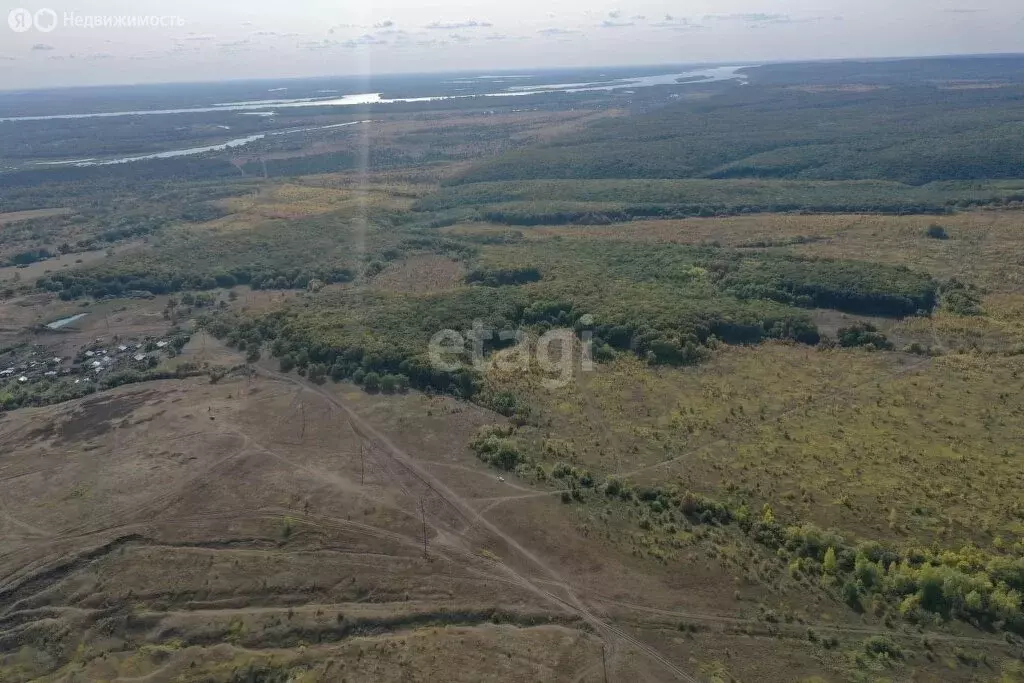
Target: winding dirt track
[414,481]
[463,509]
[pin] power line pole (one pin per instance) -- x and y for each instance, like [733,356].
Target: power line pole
[423,516]
[604,662]
[362,464]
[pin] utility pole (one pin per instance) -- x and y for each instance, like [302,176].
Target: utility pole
[302,412]
[362,464]
[423,516]
[604,661]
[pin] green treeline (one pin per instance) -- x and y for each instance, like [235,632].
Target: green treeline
[589,201]
[78,283]
[763,132]
[922,585]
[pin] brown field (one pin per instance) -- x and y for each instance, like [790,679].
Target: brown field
[183,530]
[290,201]
[38,269]
[425,273]
[15,216]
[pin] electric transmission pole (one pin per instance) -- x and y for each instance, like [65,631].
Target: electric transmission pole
[423,516]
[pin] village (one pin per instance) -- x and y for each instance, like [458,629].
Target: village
[36,363]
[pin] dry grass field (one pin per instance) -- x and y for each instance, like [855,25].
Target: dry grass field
[184,530]
[16,216]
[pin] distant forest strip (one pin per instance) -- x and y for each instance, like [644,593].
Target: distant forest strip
[981,68]
[784,133]
[540,202]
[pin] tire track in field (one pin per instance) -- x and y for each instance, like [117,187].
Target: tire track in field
[465,511]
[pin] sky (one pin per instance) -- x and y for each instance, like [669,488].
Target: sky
[202,40]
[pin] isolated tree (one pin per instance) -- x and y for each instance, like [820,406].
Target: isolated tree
[252,353]
[338,372]
[371,381]
[317,372]
[830,564]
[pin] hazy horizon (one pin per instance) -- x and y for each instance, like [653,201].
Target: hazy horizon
[510,70]
[190,41]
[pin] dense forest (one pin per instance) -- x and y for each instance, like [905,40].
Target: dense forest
[762,132]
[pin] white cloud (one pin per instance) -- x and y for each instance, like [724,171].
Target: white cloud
[451,26]
[317,44]
[751,18]
[557,31]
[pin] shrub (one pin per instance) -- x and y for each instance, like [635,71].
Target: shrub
[317,372]
[495,446]
[863,335]
[936,232]
[612,487]
[829,564]
[851,595]
[960,299]
[883,646]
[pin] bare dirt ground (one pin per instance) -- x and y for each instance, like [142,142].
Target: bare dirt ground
[184,530]
[16,216]
[38,269]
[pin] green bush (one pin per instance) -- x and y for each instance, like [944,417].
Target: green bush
[883,646]
[864,335]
